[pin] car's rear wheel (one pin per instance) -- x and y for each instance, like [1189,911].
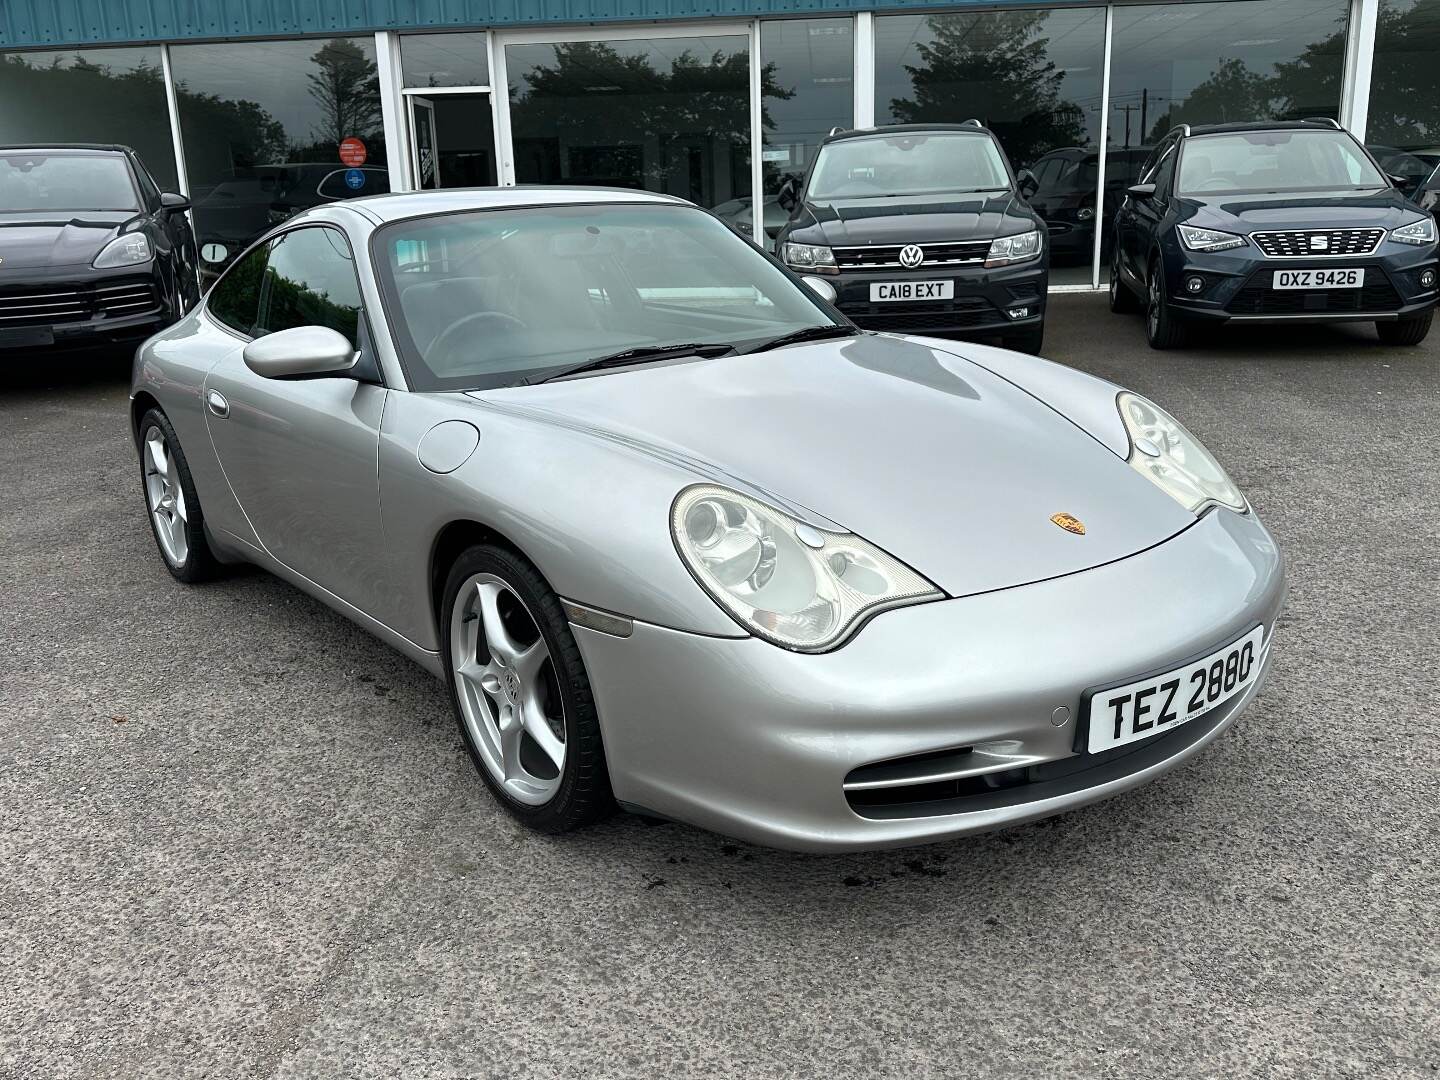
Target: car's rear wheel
[1406,331]
[520,692]
[1162,329]
[1030,340]
[173,505]
[1122,300]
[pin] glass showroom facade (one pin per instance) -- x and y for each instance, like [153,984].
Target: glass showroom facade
[722,112]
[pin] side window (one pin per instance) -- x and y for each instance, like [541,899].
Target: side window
[148,189]
[310,281]
[235,298]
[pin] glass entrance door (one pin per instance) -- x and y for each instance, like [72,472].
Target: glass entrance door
[422,143]
[452,139]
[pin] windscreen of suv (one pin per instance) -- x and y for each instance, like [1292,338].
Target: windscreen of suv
[1274,161]
[68,182]
[908,165]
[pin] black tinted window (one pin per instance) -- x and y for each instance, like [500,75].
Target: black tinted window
[310,281]
[235,299]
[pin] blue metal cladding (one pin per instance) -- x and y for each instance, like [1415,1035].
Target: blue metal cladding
[42,23]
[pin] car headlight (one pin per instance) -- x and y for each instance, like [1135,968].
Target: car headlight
[1417,232]
[1208,239]
[810,257]
[795,585]
[1167,455]
[124,250]
[1010,249]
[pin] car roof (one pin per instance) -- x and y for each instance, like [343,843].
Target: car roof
[51,148]
[397,206]
[1263,125]
[970,128]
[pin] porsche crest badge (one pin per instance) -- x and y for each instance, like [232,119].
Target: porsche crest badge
[1070,523]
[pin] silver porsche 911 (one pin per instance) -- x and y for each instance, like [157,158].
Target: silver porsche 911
[679,537]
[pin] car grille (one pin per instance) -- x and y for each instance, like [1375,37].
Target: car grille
[905,318]
[887,256]
[47,305]
[1300,243]
[1256,297]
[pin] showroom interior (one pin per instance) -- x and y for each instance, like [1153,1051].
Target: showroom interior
[255,121]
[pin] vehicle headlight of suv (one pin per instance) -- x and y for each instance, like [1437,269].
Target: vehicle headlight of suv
[124,250]
[1417,232]
[1012,249]
[810,257]
[797,586]
[1208,239]
[1167,455]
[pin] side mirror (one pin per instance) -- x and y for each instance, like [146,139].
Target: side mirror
[821,288]
[1026,184]
[171,200]
[1141,191]
[789,194]
[300,352]
[1404,183]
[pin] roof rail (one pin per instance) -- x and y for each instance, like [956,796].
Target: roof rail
[972,122]
[836,130]
[1324,120]
[1184,129]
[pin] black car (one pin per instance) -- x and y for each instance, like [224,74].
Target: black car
[1065,196]
[921,229]
[91,251]
[1280,222]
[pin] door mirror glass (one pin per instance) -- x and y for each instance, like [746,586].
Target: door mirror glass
[820,287]
[301,352]
[1026,184]
[171,200]
[1141,191]
[789,194]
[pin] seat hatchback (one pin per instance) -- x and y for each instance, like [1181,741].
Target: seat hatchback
[1278,222]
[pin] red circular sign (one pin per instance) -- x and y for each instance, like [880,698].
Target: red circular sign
[352,152]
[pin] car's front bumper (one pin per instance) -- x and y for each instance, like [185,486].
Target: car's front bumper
[749,740]
[81,307]
[1238,286]
[986,302]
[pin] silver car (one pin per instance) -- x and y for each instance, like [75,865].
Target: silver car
[679,537]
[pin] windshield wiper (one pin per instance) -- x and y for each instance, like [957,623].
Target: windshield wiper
[805,333]
[639,355]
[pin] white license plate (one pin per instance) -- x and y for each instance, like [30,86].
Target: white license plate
[911,290]
[1153,706]
[1318,279]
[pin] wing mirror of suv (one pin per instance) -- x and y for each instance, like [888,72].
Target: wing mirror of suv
[821,288]
[300,352]
[173,201]
[1141,191]
[1404,183]
[789,194]
[1026,184]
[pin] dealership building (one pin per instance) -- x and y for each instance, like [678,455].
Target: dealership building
[257,110]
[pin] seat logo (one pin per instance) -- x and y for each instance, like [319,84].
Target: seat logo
[911,256]
[1070,523]
[1319,243]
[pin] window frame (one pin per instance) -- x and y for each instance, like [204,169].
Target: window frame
[263,242]
[277,237]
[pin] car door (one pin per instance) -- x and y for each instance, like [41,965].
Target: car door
[1141,214]
[301,454]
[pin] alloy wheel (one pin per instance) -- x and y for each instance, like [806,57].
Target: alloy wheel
[166,498]
[508,691]
[1152,309]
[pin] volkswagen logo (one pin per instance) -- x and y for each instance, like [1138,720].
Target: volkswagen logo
[911,256]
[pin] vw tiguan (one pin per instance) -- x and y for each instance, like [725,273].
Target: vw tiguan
[921,229]
[1276,222]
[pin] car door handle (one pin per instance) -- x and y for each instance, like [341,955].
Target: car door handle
[217,404]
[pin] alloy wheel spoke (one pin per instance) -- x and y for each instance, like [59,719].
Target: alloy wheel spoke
[511,728]
[497,637]
[527,661]
[177,500]
[155,445]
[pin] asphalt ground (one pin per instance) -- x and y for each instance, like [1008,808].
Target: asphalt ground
[240,838]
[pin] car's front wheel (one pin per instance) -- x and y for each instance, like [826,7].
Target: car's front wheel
[1406,331]
[170,498]
[520,692]
[1162,329]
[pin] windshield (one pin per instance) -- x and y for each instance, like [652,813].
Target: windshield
[1255,161]
[908,165]
[494,297]
[30,181]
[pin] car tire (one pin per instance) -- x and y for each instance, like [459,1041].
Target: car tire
[1030,340]
[520,693]
[1163,330]
[172,505]
[1406,331]
[1122,300]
